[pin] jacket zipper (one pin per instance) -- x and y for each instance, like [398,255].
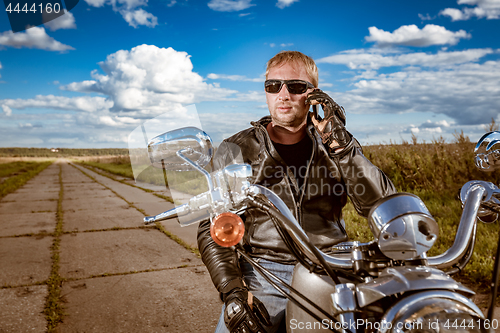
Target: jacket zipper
[288,180]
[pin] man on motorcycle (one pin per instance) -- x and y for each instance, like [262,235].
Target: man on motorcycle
[313,163]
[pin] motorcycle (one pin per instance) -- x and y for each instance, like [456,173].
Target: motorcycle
[386,285]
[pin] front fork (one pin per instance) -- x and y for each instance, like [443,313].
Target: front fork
[345,305]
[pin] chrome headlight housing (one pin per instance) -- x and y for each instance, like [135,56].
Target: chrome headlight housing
[434,312]
[402,226]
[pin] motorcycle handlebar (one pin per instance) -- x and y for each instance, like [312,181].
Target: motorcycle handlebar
[175,212]
[465,232]
[474,197]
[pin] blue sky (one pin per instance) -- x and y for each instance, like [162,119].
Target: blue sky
[91,76]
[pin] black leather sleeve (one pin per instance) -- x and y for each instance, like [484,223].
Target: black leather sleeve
[221,262]
[365,183]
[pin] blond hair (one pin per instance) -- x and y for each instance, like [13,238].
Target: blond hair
[285,57]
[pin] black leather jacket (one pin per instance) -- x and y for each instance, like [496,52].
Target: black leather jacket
[317,206]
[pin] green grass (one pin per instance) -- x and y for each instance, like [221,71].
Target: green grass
[18,173]
[54,310]
[119,169]
[15,168]
[61,152]
[191,182]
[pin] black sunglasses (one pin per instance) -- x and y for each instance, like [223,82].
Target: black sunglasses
[293,86]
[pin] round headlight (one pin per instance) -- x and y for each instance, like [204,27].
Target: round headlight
[403,226]
[434,312]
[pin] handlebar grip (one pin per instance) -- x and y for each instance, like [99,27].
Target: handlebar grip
[174,212]
[149,220]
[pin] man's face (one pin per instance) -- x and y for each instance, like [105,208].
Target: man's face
[288,110]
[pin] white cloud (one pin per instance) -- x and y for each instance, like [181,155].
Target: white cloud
[33,38]
[106,119]
[106,138]
[213,76]
[25,125]
[63,141]
[441,123]
[30,125]
[425,17]
[129,10]
[285,3]
[429,126]
[411,35]
[468,93]
[128,4]
[252,96]
[286,44]
[66,21]
[115,121]
[272,45]
[429,129]
[455,14]
[140,17]
[84,103]
[6,110]
[489,9]
[78,130]
[413,129]
[149,78]
[229,5]
[375,58]
[95,3]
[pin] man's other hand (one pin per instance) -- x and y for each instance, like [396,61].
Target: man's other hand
[245,313]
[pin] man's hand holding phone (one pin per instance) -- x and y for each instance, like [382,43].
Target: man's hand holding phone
[332,127]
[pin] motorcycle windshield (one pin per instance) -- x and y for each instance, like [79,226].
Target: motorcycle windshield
[160,168]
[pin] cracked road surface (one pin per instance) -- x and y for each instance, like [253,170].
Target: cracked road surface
[117,276]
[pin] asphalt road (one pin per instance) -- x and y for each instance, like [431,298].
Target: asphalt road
[117,275]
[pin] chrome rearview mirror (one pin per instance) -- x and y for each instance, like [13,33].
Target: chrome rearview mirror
[195,145]
[487,152]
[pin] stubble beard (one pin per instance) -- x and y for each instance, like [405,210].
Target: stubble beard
[289,121]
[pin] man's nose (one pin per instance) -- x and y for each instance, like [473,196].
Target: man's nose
[283,94]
